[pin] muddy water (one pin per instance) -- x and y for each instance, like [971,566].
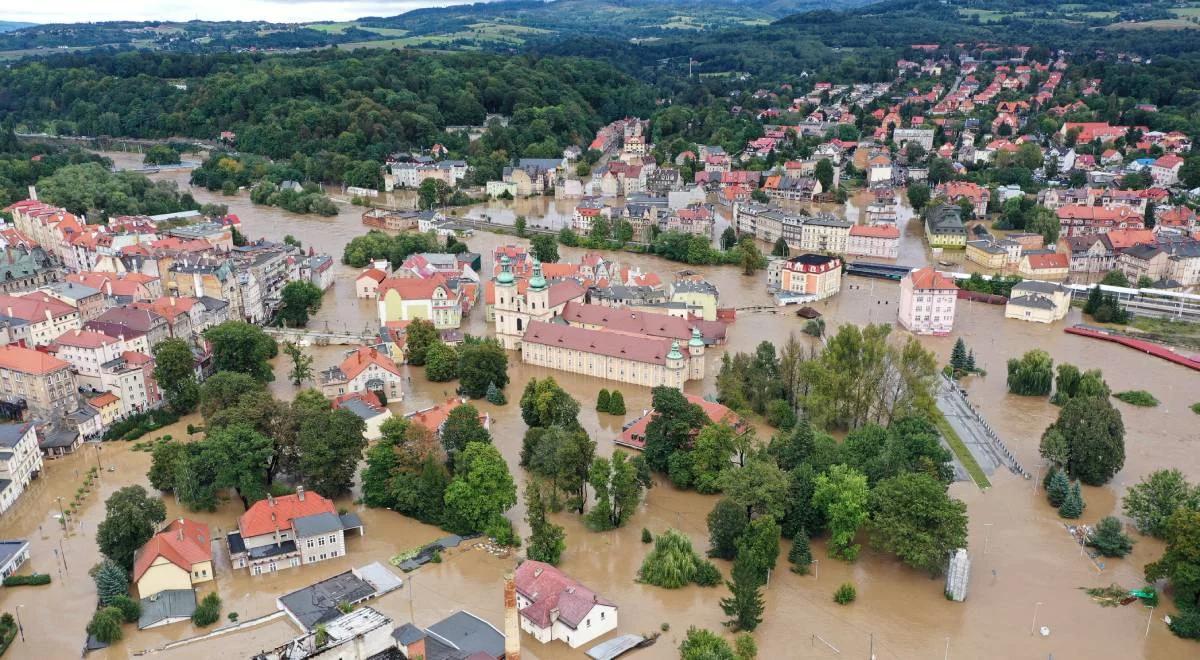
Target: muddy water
[1021,555]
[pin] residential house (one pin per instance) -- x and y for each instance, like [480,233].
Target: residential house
[881,241]
[927,300]
[13,554]
[182,314]
[1144,260]
[1044,265]
[131,378]
[697,294]
[86,350]
[89,301]
[1038,302]
[143,329]
[124,287]
[554,606]
[365,369]
[44,317]
[366,285]
[434,417]
[1091,253]
[411,298]
[367,406]
[944,227]
[56,443]
[977,195]
[20,461]
[461,635]
[634,435]
[289,531]
[812,276]
[825,234]
[45,383]
[177,557]
[987,253]
[1165,170]
[1080,220]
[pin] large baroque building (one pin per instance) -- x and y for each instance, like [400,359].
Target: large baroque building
[515,309]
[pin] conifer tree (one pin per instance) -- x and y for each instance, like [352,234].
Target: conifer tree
[1058,489]
[616,403]
[111,581]
[971,361]
[801,553]
[495,395]
[745,602]
[958,356]
[1073,506]
[602,401]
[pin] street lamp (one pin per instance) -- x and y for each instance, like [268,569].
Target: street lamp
[98,465]
[1033,626]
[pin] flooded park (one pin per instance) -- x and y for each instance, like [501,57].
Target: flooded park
[1027,572]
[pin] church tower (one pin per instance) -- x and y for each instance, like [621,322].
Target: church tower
[696,355]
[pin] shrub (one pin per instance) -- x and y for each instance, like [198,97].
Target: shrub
[602,401]
[1140,398]
[130,608]
[208,611]
[1186,624]
[233,616]
[106,625]
[672,563]
[1110,539]
[845,594]
[616,403]
[707,574]
[1196,408]
[647,537]
[33,579]
[503,533]
[780,414]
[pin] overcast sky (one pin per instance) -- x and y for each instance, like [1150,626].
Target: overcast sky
[286,11]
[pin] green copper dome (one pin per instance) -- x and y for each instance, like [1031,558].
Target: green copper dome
[505,276]
[697,341]
[537,282]
[675,354]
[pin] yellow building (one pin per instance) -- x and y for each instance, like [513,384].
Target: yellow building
[178,557]
[621,356]
[412,298]
[109,407]
[944,227]
[987,254]
[698,295]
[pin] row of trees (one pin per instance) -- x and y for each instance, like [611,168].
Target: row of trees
[479,364]
[376,244]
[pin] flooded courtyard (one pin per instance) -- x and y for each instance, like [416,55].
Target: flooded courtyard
[1026,571]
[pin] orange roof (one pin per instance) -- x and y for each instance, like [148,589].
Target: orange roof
[1052,261]
[184,543]
[168,307]
[34,308]
[84,339]
[928,278]
[1123,239]
[29,361]
[364,357]
[373,273]
[265,516]
[875,231]
[108,398]
[635,435]
[412,288]
[432,418]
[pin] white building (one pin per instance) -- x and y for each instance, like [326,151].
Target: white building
[1039,302]
[20,461]
[553,606]
[927,300]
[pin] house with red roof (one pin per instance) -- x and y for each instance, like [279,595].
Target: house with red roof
[927,300]
[434,418]
[411,298]
[365,369]
[554,606]
[1044,265]
[634,436]
[178,557]
[290,531]
[1165,170]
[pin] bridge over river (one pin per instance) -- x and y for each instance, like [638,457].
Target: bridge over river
[315,337]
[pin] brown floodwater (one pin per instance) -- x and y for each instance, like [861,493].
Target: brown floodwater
[1021,555]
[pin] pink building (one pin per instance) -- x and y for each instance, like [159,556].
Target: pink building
[927,301]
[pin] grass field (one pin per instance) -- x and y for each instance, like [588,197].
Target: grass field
[985,15]
[960,450]
[1162,24]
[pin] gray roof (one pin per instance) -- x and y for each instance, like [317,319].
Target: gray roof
[1143,251]
[59,439]
[1032,301]
[407,634]
[469,633]
[11,434]
[361,409]
[350,520]
[11,548]
[1038,286]
[212,304]
[316,524]
[318,603]
[72,290]
[987,246]
[165,605]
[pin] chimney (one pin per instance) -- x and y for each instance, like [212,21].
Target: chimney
[271,502]
[33,193]
[416,649]
[512,627]
[300,493]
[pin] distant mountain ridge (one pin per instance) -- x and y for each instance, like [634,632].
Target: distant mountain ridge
[9,26]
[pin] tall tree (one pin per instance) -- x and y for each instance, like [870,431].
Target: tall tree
[242,347]
[843,496]
[547,541]
[111,581]
[1094,437]
[175,373]
[671,427]
[544,248]
[729,238]
[913,517]
[618,484]
[564,458]
[1152,501]
[244,457]
[164,464]
[463,427]
[131,517]
[224,389]
[745,603]
[726,523]
[329,447]
[300,299]
[760,487]
[781,248]
[1180,563]
[481,491]
[758,547]
[419,336]
[441,362]
[481,363]
[301,363]
[544,403]
[1032,375]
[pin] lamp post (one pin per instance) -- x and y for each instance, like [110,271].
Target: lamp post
[62,512]
[1148,620]
[1033,626]
[98,465]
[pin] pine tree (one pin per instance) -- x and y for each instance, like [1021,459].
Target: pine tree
[971,361]
[745,602]
[1073,506]
[958,356]
[801,553]
[1094,300]
[602,401]
[111,581]
[495,395]
[547,541]
[1058,489]
[616,403]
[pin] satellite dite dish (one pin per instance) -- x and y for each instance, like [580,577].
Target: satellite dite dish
[1045,631]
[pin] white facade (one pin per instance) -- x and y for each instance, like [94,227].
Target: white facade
[600,620]
[926,305]
[20,461]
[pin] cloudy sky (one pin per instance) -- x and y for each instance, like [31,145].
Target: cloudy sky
[288,11]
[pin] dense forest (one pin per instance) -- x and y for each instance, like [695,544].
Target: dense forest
[326,111]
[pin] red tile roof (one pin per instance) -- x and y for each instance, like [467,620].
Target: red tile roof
[29,361]
[34,308]
[184,543]
[105,399]
[628,320]
[412,288]
[265,516]
[550,590]
[1056,260]
[875,231]
[364,357]
[928,278]
[84,339]
[635,435]
[373,273]
[1123,239]
[612,343]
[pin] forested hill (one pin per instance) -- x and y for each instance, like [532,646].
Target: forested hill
[335,115]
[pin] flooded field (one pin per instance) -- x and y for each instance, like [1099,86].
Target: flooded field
[1023,562]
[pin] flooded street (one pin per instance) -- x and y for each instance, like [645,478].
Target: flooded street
[1021,555]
